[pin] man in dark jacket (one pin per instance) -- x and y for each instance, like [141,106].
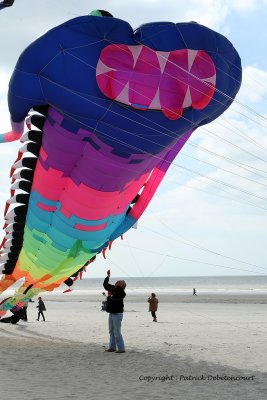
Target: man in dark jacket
[115,308]
[41,308]
[18,313]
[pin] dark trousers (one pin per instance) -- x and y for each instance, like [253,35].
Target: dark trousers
[153,313]
[42,314]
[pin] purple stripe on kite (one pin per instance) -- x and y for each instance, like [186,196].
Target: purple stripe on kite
[95,164]
[173,151]
[17,127]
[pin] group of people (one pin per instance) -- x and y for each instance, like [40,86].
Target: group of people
[20,313]
[114,306]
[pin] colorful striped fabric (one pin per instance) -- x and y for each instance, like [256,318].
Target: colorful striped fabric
[112,109]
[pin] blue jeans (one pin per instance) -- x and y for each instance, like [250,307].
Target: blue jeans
[115,336]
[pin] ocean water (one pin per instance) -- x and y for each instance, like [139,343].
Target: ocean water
[171,285]
[181,285]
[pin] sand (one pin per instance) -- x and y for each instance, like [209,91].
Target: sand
[206,347]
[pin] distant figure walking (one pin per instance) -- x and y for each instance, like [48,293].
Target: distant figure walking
[41,308]
[194,292]
[153,306]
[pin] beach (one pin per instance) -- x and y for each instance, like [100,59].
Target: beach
[204,347]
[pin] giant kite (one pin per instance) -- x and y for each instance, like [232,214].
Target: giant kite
[108,109]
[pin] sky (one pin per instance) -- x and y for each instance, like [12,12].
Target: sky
[209,216]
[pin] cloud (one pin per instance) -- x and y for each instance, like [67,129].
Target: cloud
[245,6]
[254,86]
[4,79]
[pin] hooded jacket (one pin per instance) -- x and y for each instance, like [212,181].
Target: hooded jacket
[115,297]
[153,304]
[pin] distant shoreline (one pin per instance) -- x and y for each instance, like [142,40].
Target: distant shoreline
[76,297]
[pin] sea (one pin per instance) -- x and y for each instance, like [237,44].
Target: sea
[238,285]
[180,285]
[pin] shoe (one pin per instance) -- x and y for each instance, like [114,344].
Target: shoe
[155,320]
[120,351]
[37,320]
[110,350]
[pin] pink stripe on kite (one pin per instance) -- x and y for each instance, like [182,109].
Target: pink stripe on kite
[43,154]
[90,228]
[147,194]
[65,212]
[49,184]
[46,208]
[12,136]
[74,199]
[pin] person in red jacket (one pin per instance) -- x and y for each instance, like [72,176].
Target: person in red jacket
[115,308]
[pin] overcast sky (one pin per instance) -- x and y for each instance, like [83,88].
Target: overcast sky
[209,215]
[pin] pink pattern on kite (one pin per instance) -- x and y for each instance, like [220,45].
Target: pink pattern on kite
[147,79]
[64,191]
[44,207]
[91,228]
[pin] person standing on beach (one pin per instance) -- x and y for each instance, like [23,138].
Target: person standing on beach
[18,314]
[115,308]
[153,306]
[194,292]
[104,302]
[24,316]
[41,308]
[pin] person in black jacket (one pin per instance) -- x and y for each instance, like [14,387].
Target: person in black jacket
[18,314]
[41,308]
[115,308]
